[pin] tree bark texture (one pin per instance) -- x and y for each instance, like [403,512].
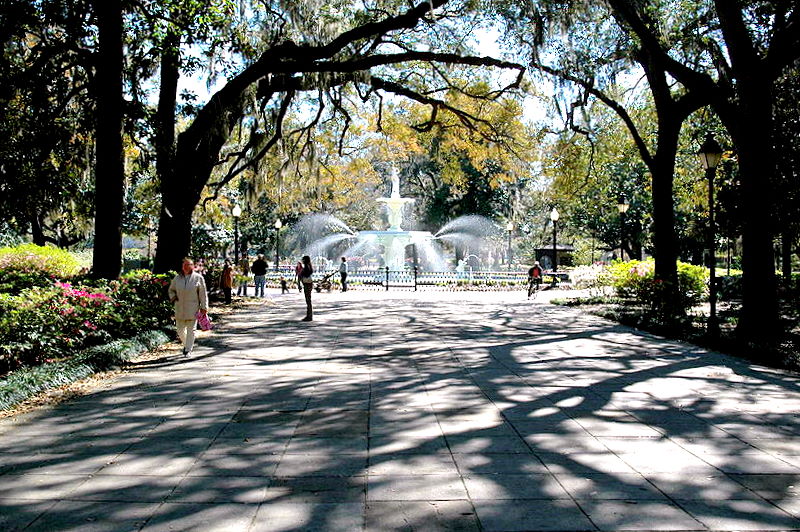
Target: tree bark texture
[109,171]
[165,154]
[670,114]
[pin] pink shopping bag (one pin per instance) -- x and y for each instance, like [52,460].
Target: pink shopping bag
[204,321]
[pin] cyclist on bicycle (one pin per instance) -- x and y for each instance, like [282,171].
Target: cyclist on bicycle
[534,277]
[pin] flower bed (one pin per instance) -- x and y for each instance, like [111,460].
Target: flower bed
[51,319]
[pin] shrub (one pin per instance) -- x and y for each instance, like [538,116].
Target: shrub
[636,280]
[141,301]
[44,323]
[30,258]
[594,278]
[29,329]
[692,282]
[14,281]
[29,265]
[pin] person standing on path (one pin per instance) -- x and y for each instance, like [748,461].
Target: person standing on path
[259,269]
[298,273]
[188,292]
[244,278]
[343,274]
[226,281]
[306,277]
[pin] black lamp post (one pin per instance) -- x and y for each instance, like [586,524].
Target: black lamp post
[278,225]
[510,229]
[710,155]
[554,219]
[236,212]
[149,241]
[622,207]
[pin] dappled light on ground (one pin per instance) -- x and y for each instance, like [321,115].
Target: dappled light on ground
[436,411]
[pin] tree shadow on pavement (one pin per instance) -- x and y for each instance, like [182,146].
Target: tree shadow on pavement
[411,414]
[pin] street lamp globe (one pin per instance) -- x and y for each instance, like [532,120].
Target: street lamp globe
[554,218]
[622,207]
[710,153]
[278,223]
[237,211]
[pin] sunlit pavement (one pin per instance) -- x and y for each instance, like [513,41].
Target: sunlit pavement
[426,411]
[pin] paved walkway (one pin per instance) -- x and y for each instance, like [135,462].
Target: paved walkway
[428,411]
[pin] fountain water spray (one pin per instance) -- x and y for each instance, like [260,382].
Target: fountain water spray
[326,232]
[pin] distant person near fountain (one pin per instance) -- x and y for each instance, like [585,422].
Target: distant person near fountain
[343,274]
[306,277]
[298,271]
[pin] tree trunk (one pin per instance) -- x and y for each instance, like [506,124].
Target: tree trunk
[109,170]
[174,229]
[671,113]
[759,318]
[37,234]
[196,154]
[752,128]
[165,159]
[664,239]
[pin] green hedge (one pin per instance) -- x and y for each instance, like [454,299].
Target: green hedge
[27,382]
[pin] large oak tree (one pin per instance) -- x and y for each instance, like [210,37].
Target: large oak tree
[736,52]
[385,50]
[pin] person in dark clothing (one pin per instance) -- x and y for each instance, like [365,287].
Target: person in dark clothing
[534,278]
[298,271]
[306,278]
[259,269]
[343,274]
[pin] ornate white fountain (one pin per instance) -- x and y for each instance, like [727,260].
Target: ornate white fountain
[395,239]
[391,245]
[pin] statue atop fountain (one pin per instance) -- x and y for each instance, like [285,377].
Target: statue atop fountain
[395,204]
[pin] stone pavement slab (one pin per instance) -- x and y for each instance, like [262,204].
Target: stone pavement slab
[415,411]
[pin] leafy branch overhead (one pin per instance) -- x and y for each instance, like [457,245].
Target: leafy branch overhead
[327,83]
